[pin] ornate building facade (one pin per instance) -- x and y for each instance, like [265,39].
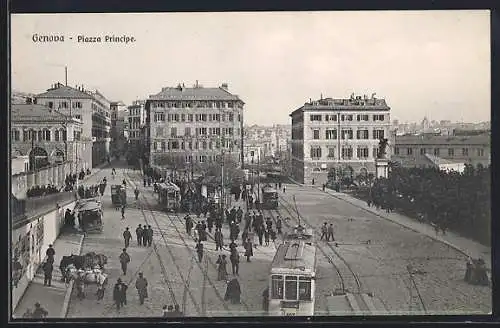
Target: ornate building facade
[337,137]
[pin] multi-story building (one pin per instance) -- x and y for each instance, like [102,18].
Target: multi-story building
[117,111]
[93,109]
[194,125]
[337,136]
[135,118]
[44,136]
[414,150]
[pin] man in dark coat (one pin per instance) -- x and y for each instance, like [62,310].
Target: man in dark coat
[67,218]
[235,261]
[150,235]
[126,237]
[136,193]
[324,231]
[265,300]
[50,254]
[138,233]
[189,224]
[330,233]
[124,260]
[279,226]
[233,292]
[47,270]
[199,250]
[120,294]
[142,288]
[248,250]
[219,240]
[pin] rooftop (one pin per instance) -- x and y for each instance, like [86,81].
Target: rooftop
[36,113]
[352,103]
[480,140]
[195,93]
[62,91]
[295,255]
[440,161]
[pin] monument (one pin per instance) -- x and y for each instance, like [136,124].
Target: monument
[381,162]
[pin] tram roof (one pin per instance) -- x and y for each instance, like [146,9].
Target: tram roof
[294,255]
[268,189]
[168,186]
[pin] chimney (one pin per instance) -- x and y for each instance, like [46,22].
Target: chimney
[224,86]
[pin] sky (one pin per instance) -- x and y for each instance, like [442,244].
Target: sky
[424,63]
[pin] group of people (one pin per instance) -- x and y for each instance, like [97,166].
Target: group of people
[37,191]
[88,192]
[144,236]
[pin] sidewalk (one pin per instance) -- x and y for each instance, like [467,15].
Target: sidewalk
[463,245]
[53,298]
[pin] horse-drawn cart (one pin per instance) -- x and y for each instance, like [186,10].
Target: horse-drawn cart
[89,267]
[118,195]
[89,214]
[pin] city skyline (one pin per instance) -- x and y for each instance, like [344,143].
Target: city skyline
[275,62]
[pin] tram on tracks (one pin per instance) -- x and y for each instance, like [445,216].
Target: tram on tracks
[269,197]
[300,233]
[292,280]
[169,196]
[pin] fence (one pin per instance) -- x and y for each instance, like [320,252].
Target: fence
[54,174]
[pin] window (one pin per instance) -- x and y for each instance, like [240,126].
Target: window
[480,152]
[187,131]
[422,151]
[163,145]
[378,134]
[362,152]
[173,132]
[362,134]
[78,117]
[190,117]
[304,288]
[175,145]
[40,136]
[159,132]
[160,117]
[361,117]
[231,117]
[436,151]
[451,152]
[316,134]
[315,152]
[346,153]
[396,150]
[15,135]
[203,159]
[315,118]
[409,151]
[375,152]
[378,117]
[330,118]
[331,134]
[204,145]
[465,151]
[347,134]
[331,152]
[291,287]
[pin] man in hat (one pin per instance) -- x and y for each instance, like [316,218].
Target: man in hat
[124,260]
[123,211]
[39,312]
[138,233]
[199,250]
[150,235]
[50,254]
[330,233]
[120,294]
[126,237]
[142,288]
[47,270]
[324,231]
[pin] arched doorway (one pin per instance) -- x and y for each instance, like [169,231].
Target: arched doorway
[38,158]
[58,156]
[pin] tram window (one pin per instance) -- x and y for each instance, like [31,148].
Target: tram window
[277,285]
[291,287]
[304,288]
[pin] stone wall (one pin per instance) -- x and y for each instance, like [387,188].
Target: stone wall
[54,174]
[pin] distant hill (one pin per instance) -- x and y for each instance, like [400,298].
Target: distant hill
[18,97]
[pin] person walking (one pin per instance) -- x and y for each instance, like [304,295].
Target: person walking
[142,288]
[50,252]
[126,237]
[235,261]
[330,233]
[189,224]
[221,269]
[219,240]
[266,237]
[39,312]
[150,235]
[265,300]
[279,226]
[47,271]
[138,233]
[120,294]
[248,250]
[145,234]
[284,189]
[123,211]
[324,231]
[136,193]
[199,250]
[124,261]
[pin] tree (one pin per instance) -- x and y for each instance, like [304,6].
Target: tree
[232,172]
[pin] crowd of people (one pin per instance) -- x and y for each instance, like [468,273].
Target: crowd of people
[447,200]
[37,191]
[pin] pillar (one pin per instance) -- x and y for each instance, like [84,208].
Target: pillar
[382,168]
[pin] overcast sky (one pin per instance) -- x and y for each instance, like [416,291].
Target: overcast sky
[428,63]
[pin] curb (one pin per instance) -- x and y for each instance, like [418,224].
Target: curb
[389,219]
[69,291]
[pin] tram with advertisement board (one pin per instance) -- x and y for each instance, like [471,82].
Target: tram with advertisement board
[169,196]
[269,197]
[292,280]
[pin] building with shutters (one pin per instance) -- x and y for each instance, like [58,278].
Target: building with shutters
[193,125]
[337,137]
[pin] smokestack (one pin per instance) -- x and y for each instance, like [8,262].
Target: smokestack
[66,75]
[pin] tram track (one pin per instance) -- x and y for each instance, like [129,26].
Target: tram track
[169,250]
[204,272]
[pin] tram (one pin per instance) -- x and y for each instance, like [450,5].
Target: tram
[300,233]
[169,196]
[269,197]
[292,280]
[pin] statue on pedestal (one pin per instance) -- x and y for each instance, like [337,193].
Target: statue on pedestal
[382,145]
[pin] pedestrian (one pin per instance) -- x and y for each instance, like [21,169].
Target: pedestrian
[126,237]
[50,252]
[272,233]
[233,291]
[188,223]
[324,231]
[80,284]
[47,270]
[124,260]
[199,250]
[248,250]
[136,193]
[330,233]
[123,211]
[284,189]
[101,281]
[150,236]
[138,232]
[279,226]
[260,233]
[266,237]
[145,234]
[235,261]
[221,269]
[265,300]
[142,288]
[39,312]
[324,187]
[219,240]
[120,294]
